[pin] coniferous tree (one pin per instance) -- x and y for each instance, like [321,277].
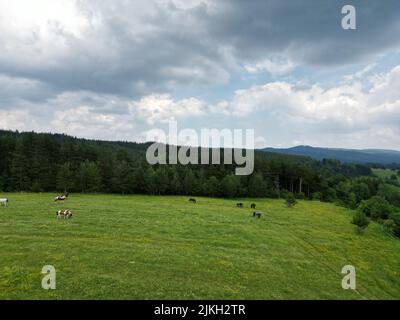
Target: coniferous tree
[150,187]
[65,178]
[139,180]
[122,179]
[175,184]
[230,186]
[89,177]
[20,168]
[190,184]
[211,187]
[161,180]
[257,186]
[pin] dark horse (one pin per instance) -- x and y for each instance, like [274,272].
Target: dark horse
[253,206]
[192,200]
[239,205]
[257,214]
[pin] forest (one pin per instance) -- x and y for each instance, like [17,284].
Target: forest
[41,162]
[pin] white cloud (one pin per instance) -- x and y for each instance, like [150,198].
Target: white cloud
[276,68]
[161,108]
[282,113]
[347,111]
[17,120]
[37,16]
[91,115]
[85,122]
[345,105]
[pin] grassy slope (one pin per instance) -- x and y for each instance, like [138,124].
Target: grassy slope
[384,173]
[164,247]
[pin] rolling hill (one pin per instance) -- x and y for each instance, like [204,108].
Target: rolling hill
[376,156]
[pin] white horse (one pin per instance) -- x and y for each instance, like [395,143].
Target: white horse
[4,202]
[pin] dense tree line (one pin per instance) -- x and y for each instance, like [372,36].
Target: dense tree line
[56,163]
[46,162]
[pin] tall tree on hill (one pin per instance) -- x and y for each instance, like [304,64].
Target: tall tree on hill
[211,187]
[257,186]
[189,185]
[230,186]
[161,180]
[20,167]
[150,186]
[106,165]
[175,185]
[89,177]
[65,178]
[122,179]
[7,146]
[139,180]
[43,163]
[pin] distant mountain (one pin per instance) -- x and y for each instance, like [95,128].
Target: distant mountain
[345,155]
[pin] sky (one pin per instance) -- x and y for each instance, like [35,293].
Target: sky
[116,70]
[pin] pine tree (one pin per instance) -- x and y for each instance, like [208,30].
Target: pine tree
[122,179]
[150,181]
[161,180]
[175,184]
[89,177]
[189,185]
[65,178]
[139,181]
[20,168]
[257,186]
[230,186]
[211,187]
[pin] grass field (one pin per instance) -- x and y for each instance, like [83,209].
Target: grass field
[384,173]
[144,247]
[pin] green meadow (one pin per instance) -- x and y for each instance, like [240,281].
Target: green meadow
[150,247]
[384,173]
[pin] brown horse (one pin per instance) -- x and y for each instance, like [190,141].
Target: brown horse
[62,197]
[66,214]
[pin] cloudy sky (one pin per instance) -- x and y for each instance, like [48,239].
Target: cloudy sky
[115,70]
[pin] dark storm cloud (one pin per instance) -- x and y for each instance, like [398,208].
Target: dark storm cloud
[134,49]
[140,47]
[307,30]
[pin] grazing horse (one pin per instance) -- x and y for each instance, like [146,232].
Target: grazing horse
[239,205]
[192,200]
[257,214]
[253,206]
[4,202]
[66,214]
[61,198]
